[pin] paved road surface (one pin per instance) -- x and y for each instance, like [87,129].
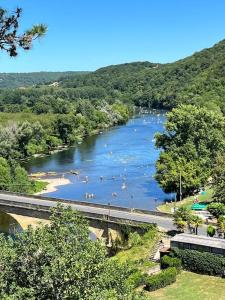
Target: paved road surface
[163,222]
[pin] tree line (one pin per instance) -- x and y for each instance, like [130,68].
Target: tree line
[23,135]
[16,80]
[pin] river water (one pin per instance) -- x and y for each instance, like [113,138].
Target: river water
[117,166]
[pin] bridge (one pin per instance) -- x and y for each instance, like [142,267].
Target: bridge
[30,210]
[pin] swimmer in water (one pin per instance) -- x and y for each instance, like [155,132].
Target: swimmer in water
[123,187]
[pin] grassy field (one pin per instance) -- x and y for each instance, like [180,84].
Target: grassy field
[140,254]
[191,286]
[187,202]
[6,118]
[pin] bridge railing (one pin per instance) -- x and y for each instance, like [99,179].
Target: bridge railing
[31,209]
[91,204]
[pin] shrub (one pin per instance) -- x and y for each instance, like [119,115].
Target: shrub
[161,279]
[136,279]
[134,239]
[211,230]
[216,209]
[167,262]
[147,228]
[201,262]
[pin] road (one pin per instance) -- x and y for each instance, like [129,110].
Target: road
[165,223]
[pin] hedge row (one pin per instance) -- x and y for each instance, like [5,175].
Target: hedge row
[168,262]
[161,279]
[201,262]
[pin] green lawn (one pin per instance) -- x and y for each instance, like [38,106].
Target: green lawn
[187,201]
[191,286]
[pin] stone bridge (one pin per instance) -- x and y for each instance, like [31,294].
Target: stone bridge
[18,211]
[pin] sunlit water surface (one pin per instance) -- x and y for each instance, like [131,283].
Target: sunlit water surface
[117,166]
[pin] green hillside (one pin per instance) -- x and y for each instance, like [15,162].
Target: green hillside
[14,80]
[199,78]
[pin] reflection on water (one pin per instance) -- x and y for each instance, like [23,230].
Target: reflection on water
[115,167]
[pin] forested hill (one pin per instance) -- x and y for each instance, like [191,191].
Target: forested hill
[199,78]
[14,80]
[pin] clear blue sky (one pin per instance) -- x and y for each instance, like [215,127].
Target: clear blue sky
[88,34]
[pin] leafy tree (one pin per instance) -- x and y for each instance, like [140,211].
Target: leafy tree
[20,182]
[64,126]
[180,224]
[53,141]
[181,217]
[216,209]
[195,221]
[218,179]
[60,261]
[171,165]
[14,178]
[192,139]
[5,174]
[221,226]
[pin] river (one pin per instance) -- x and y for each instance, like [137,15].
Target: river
[117,166]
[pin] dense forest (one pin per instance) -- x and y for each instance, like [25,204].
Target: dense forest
[42,118]
[14,80]
[26,133]
[198,79]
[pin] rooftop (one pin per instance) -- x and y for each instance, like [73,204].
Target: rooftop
[199,240]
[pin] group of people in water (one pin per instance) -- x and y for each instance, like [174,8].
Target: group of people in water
[101,178]
[114,194]
[89,196]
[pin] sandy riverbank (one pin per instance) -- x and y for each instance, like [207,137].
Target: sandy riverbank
[53,184]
